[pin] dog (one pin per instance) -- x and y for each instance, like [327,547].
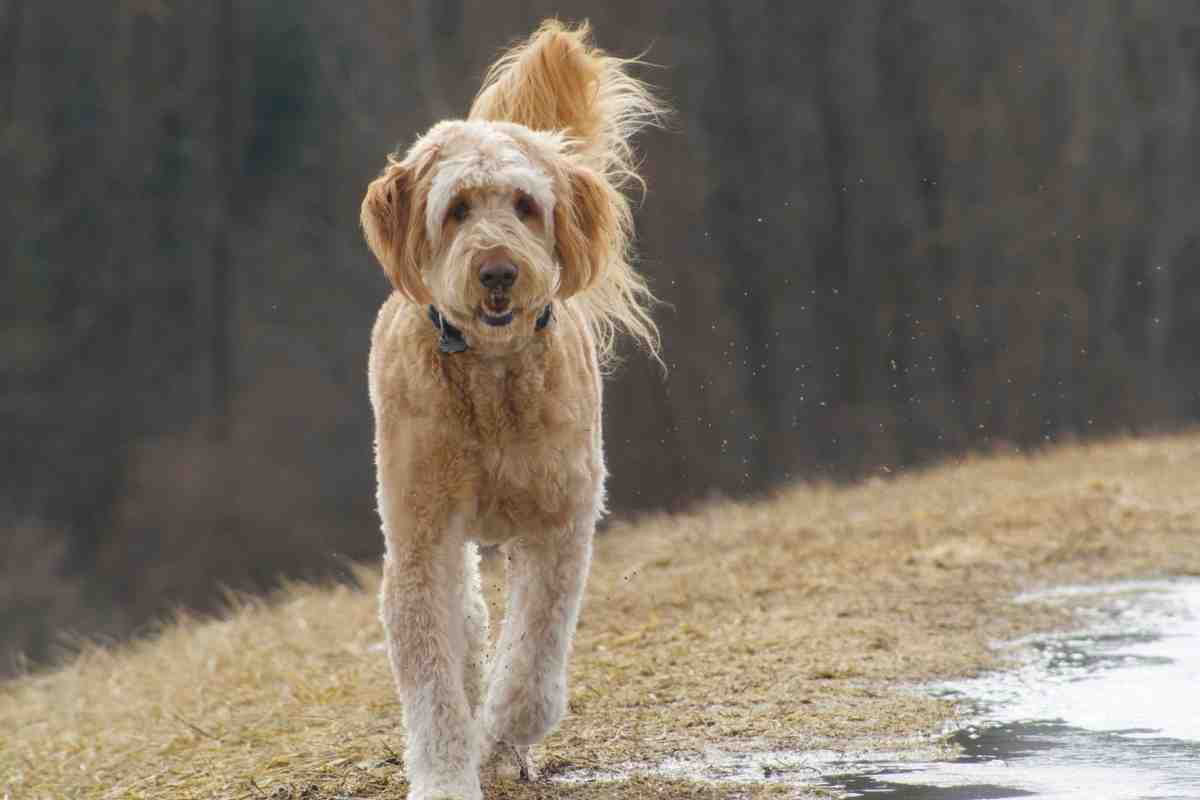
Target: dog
[506,237]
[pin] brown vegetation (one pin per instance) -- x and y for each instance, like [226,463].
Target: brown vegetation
[797,621]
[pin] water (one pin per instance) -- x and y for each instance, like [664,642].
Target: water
[1041,760]
[1113,713]
[1109,714]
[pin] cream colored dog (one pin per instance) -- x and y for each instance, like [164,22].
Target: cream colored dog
[506,237]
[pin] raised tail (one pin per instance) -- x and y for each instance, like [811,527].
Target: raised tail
[557,80]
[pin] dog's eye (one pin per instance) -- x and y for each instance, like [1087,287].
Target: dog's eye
[525,207]
[459,211]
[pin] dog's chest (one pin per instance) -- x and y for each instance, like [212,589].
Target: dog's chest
[495,405]
[521,492]
[534,446]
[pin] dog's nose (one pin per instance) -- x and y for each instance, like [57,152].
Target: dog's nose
[497,275]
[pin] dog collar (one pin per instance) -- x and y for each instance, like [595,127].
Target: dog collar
[451,338]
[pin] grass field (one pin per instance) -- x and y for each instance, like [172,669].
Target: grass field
[792,622]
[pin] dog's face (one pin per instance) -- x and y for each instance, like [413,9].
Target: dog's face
[490,221]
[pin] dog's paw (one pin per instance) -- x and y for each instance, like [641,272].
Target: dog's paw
[526,769]
[440,790]
[513,762]
[525,713]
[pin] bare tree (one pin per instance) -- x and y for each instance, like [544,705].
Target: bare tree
[11,23]
[224,296]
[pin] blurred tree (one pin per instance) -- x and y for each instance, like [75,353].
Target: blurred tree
[224,294]
[885,230]
[11,22]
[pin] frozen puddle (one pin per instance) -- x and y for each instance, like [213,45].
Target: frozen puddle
[1112,713]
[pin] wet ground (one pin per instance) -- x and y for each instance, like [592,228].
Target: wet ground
[1112,712]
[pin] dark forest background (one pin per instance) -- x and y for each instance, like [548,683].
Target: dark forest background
[887,231]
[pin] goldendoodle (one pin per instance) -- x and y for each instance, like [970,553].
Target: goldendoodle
[507,239]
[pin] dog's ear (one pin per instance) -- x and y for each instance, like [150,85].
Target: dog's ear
[393,220]
[590,224]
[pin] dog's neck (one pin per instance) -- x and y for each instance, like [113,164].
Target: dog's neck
[451,338]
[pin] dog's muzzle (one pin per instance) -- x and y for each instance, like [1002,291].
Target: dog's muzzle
[497,277]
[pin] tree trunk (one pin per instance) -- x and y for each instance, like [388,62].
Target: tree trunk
[224,297]
[10,61]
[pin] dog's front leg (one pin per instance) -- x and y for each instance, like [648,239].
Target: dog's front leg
[527,691]
[422,609]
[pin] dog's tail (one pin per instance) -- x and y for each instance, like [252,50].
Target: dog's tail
[558,81]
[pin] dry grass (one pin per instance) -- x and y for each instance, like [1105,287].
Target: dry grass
[793,621]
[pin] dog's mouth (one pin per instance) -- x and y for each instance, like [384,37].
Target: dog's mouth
[496,310]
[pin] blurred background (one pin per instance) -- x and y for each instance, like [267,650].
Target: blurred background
[889,232]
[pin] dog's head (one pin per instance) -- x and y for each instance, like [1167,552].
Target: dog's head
[491,221]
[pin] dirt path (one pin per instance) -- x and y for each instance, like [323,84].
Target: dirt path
[795,622]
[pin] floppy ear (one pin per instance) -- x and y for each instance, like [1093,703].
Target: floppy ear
[393,220]
[589,229]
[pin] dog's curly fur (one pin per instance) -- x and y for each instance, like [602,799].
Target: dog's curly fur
[500,443]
